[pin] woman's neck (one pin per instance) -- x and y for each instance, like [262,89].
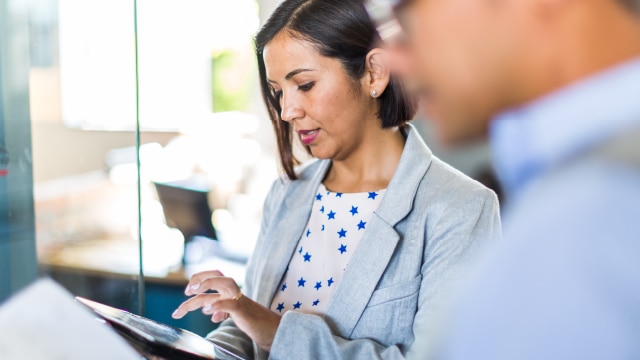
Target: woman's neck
[371,166]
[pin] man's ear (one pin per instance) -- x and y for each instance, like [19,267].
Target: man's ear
[378,72]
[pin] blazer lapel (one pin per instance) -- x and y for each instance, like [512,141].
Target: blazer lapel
[378,244]
[361,276]
[292,218]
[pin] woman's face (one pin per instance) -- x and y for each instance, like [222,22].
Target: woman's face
[328,111]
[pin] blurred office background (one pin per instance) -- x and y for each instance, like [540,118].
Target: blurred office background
[134,147]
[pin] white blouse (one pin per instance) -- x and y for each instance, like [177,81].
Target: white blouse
[336,225]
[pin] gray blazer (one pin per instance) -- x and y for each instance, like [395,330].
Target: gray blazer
[432,221]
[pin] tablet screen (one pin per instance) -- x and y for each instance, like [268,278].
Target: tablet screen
[157,338]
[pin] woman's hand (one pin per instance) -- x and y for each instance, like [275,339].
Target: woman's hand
[257,321]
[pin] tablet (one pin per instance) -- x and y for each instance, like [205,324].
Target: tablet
[157,339]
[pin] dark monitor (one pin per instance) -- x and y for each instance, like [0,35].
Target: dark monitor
[186,208]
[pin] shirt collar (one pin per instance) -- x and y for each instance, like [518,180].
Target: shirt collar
[527,140]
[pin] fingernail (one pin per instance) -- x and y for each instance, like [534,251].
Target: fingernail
[207,308]
[195,286]
[175,314]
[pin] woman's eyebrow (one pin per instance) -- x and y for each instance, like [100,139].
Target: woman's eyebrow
[296,72]
[290,75]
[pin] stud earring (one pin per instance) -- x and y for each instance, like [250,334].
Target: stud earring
[374,93]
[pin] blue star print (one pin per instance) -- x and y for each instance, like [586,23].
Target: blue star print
[361,225]
[337,223]
[342,248]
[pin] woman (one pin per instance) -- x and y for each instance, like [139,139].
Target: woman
[359,246]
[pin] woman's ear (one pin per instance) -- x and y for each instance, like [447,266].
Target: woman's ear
[378,72]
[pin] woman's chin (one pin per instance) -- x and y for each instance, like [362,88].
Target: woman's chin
[320,153]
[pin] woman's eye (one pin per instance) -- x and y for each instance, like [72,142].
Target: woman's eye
[276,94]
[307,86]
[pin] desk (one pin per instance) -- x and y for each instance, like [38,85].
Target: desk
[107,270]
[119,258]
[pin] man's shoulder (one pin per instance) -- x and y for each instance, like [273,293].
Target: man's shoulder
[583,198]
[605,175]
[570,256]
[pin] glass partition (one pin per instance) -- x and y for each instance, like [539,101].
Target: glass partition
[147,148]
[82,68]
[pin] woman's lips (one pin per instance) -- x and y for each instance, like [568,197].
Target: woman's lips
[308,136]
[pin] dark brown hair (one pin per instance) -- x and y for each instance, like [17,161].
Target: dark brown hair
[339,29]
[633,5]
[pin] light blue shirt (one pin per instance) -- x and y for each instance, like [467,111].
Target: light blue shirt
[529,140]
[565,284]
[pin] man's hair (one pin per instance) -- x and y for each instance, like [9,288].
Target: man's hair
[633,5]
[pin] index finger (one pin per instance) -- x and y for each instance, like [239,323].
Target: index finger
[197,279]
[194,303]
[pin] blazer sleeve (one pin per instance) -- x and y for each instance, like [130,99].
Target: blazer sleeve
[454,239]
[227,334]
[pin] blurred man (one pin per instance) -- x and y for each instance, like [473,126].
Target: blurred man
[555,84]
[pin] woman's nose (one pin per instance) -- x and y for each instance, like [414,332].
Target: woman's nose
[291,109]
